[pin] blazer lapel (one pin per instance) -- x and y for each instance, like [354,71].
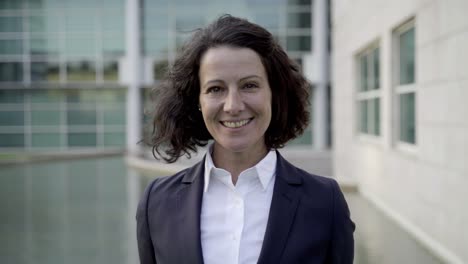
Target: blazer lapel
[189,199]
[282,211]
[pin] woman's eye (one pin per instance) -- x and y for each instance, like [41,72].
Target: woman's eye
[214,89]
[250,85]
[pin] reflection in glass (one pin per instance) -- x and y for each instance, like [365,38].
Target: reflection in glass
[187,22]
[11,71]
[81,139]
[81,71]
[364,70]
[154,22]
[299,2]
[45,46]
[12,140]
[45,117]
[268,20]
[45,139]
[81,117]
[407,118]
[407,57]
[113,20]
[82,96]
[84,46]
[299,20]
[114,139]
[113,46]
[156,46]
[11,118]
[77,20]
[363,123]
[45,71]
[10,4]
[49,96]
[11,96]
[111,71]
[114,115]
[11,47]
[49,22]
[376,65]
[374,113]
[298,43]
[11,24]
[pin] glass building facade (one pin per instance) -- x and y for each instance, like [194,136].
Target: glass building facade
[62,62]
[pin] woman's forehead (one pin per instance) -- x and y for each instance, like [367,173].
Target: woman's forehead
[222,62]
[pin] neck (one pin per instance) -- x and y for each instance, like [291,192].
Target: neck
[236,162]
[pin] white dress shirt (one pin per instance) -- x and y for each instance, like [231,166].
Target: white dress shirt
[234,217]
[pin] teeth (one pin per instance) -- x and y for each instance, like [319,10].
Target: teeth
[236,124]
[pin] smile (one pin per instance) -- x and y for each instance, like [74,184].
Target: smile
[236,124]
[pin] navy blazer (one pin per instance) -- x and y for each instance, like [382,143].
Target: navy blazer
[309,220]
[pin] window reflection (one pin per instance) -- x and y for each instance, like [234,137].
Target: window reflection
[81,71]
[12,140]
[11,47]
[48,22]
[11,71]
[407,57]
[299,20]
[82,139]
[47,46]
[82,46]
[407,118]
[113,46]
[11,24]
[111,70]
[10,4]
[45,71]
[298,43]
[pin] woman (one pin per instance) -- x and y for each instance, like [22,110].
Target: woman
[243,203]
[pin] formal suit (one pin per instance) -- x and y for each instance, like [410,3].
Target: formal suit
[309,220]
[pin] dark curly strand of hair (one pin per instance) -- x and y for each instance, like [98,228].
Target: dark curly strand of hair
[178,126]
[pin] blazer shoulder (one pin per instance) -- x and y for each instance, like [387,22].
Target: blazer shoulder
[166,183]
[307,178]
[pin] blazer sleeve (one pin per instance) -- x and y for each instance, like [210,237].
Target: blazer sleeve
[145,245]
[342,248]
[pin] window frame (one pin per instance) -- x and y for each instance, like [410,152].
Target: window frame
[400,89]
[372,92]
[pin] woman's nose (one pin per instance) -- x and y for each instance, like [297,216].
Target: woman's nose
[233,102]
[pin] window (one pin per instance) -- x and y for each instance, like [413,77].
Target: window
[368,95]
[404,79]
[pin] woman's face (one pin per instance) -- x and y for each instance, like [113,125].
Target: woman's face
[235,98]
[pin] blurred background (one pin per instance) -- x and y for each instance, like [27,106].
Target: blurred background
[388,111]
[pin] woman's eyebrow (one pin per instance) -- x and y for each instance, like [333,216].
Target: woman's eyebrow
[250,76]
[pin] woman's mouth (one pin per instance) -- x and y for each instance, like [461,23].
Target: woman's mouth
[236,124]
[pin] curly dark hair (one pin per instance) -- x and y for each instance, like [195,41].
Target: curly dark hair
[178,126]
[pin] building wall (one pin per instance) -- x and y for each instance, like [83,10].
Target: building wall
[422,183]
[63,65]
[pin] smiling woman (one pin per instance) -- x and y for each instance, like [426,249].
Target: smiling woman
[235,101]
[243,203]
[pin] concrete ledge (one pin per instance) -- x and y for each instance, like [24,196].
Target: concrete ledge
[15,158]
[440,251]
[316,162]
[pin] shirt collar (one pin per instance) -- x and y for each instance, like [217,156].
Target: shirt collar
[265,169]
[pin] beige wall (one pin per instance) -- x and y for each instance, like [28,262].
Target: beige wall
[424,187]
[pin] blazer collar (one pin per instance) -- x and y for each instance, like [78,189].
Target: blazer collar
[189,199]
[283,208]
